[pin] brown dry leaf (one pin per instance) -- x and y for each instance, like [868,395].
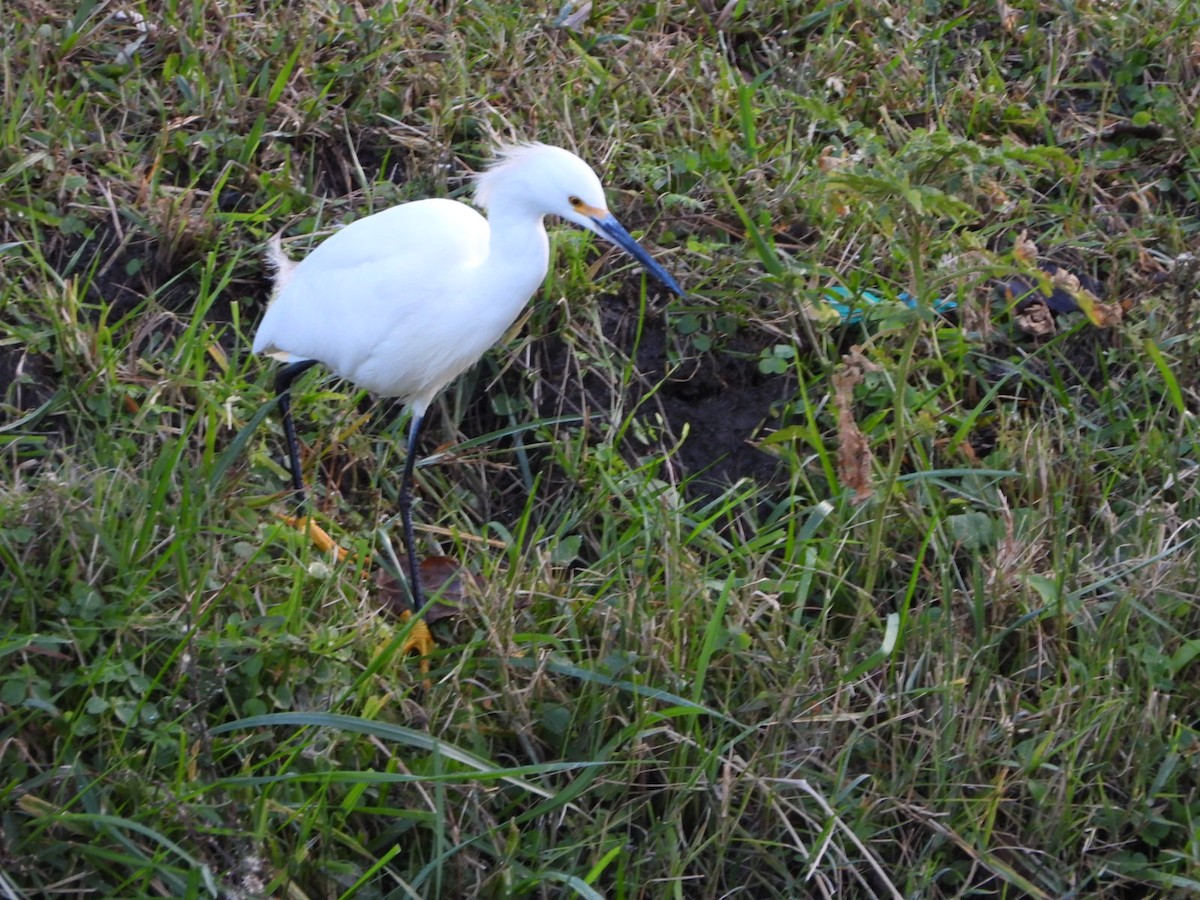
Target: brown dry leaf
[1105,315]
[1036,320]
[217,352]
[1024,250]
[844,381]
[854,455]
[1102,315]
[1067,280]
[828,161]
[859,365]
[996,195]
[1149,265]
[1010,19]
[442,575]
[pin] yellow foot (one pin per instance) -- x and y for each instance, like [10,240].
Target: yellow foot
[420,639]
[318,535]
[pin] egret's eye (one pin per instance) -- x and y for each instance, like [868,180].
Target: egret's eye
[575,202]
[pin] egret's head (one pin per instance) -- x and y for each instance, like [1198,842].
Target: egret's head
[545,180]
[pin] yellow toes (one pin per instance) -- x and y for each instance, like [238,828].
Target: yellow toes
[318,535]
[419,640]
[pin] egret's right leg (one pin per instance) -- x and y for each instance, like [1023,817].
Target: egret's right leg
[283,385]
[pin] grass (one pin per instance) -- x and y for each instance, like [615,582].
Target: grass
[708,655]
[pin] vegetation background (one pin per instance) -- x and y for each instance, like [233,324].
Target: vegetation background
[766,604]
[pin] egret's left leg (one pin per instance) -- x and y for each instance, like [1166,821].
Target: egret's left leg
[419,638]
[414,568]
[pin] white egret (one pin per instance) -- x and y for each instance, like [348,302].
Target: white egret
[403,301]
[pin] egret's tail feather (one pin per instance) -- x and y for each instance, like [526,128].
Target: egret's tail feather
[278,263]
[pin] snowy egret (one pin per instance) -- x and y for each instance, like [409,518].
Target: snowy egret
[403,301]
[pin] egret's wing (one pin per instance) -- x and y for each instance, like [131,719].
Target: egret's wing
[378,276]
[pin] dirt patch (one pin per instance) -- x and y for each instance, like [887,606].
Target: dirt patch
[717,402]
[27,379]
[721,400]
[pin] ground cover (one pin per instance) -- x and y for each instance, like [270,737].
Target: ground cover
[762,603]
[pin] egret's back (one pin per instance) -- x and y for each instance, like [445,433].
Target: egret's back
[371,289]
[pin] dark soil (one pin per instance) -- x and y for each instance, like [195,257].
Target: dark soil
[721,397]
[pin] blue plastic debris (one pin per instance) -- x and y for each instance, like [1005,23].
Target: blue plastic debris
[860,301]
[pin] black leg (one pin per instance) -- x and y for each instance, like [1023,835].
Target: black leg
[414,569]
[283,384]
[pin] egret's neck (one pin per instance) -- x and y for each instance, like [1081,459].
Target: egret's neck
[518,249]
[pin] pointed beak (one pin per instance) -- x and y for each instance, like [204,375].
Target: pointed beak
[608,226]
